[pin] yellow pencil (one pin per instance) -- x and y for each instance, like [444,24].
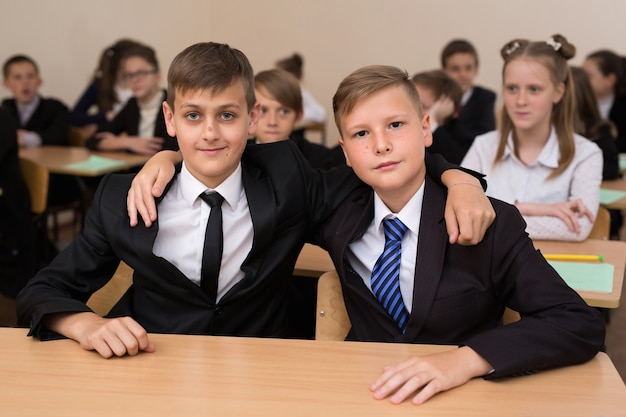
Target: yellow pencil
[572,257]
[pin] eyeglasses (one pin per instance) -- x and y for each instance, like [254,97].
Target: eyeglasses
[140,75]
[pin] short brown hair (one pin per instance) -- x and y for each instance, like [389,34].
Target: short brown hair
[210,66]
[144,52]
[440,84]
[368,80]
[284,87]
[18,59]
[458,46]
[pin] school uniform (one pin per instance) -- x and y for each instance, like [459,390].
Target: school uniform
[475,117]
[617,115]
[128,121]
[460,292]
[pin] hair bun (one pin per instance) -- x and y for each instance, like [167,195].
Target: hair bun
[512,46]
[561,46]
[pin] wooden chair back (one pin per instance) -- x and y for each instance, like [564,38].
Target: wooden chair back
[36,177]
[332,321]
[602,226]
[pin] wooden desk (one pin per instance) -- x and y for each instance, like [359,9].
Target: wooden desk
[619,185]
[233,376]
[614,253]
[313,261]
[56,159]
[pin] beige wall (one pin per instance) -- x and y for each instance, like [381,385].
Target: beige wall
[334,36]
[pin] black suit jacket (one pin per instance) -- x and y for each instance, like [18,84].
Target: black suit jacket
[476,116]
[286,199]
[618,116]
[127,121]
[50,120]
[460,292]
[17,234]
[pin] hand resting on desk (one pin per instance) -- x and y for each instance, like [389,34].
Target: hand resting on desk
[427,375]
[109,337]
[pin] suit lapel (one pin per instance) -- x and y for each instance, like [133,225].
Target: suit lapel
[262,205]
[433,239]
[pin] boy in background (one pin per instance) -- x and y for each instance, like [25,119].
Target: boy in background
[40,121]
[403,281]
[279,97]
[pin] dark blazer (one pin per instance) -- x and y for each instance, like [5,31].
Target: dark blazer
[127,121]
[460,292]
[17,234]
[286,199]
[617,115]
[50,120]
[475,117]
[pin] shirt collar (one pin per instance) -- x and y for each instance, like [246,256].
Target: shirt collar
[409,215]
[231,188]
[28,108]
[466,96]
[549,156]
[155,103]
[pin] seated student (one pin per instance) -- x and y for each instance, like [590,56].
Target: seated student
[312,111]
[107,91]
[607,74]
[278,95]
[17,234]
[40,121]
[139,127]
[270,200]
[441,98]
[389,243]
[536,161]
[459,60]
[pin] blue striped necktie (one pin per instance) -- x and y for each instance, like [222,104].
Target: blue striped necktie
[386,273]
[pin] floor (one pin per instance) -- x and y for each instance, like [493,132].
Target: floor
[615,330]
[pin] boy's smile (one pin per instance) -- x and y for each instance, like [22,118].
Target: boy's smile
[384,140]
[212,130]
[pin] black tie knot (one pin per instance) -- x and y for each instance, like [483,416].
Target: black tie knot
[213,199]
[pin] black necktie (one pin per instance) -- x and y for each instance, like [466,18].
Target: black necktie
[213,244]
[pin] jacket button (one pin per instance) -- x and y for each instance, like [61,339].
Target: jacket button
[219,311]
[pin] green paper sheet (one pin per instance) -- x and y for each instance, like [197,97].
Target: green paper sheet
[584,276]
[622,161]
[96,163]
[610,196]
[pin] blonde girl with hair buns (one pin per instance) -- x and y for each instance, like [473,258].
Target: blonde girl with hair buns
[535,160]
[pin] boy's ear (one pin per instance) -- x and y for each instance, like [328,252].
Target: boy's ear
[298,119]
[343,148]
[254,119]
[428,134]
[168,114]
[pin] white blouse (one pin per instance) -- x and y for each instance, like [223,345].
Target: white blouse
[512,181]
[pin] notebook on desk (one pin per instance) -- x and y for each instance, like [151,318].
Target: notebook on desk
[583,276]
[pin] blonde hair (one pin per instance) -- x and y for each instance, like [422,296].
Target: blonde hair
[553,55]
[366,81]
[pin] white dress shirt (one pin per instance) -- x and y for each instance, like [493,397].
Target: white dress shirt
[363,253]
[182,224]
[513,181]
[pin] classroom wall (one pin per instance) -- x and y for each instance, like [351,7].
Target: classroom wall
[335,36]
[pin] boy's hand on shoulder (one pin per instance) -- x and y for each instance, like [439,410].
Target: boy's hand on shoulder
[109,337]
[425,376]
[468,211]
[148,184]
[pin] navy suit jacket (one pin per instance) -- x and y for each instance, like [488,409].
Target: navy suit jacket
[460,292]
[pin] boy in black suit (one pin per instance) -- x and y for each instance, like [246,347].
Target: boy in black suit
[422,289]
[40,121]
[264,200]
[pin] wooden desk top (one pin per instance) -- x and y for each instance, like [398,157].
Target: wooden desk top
[56,159]
[231,376]
[618,185]
[614,252]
